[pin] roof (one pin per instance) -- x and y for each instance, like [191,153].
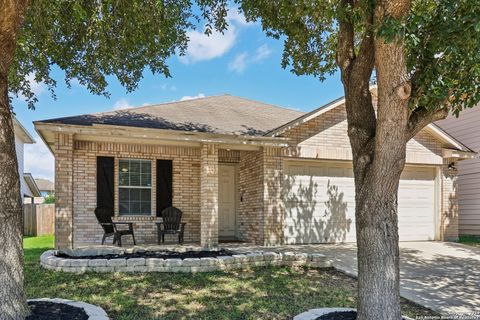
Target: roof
[21,132]
[224,114]
[45,184]
[33,190]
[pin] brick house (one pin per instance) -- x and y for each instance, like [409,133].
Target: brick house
[238,169]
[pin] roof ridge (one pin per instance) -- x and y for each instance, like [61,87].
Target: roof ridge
[176,102]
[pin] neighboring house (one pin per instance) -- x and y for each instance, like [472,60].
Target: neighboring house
[45,186]
[238,169]
[31,190]
[467,128]
[27,184]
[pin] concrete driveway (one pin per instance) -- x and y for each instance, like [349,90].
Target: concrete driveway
[442,276]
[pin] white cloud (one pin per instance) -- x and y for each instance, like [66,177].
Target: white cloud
[242,60]
[200,95]
[38,160]
[36,87]
[235,16]
[122,104]
[202,47]
[167,87]
[262,53]
[239,63]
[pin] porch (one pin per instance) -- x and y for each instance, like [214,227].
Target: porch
[225,191]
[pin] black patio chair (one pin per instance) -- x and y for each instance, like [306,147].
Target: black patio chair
[171,224]
[104,216]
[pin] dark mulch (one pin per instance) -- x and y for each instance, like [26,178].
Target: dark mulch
[45,310]
[157,254]
[340,315]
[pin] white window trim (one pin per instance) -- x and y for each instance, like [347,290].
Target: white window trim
[134,187]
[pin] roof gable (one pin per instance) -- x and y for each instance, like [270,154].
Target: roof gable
[432,128]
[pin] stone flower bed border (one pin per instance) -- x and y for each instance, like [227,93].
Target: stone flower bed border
[314,314]
[49,261]
[93,312]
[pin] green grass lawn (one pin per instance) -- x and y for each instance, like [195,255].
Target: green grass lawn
[260,293]
[470,240]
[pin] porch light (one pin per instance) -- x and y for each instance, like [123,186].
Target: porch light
[452,166]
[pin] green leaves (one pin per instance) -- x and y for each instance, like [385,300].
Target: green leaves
[91,40]
[443,50]
[307,28]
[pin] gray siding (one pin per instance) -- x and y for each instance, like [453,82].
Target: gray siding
[19,147]
[466,128]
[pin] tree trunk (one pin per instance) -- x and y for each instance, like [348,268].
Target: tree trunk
[13,303]
[377,189]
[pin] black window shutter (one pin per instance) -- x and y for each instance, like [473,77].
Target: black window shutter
[164,185]
[105,185]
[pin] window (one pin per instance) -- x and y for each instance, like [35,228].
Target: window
[135,187]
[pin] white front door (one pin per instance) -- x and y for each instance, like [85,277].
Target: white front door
[226,201]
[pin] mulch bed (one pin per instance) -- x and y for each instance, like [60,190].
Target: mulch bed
[156,254]
[45,310]
[340,315]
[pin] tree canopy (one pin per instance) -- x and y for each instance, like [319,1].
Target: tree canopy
[442,39]
[91,40]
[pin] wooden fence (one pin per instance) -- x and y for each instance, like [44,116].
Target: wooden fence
[38,219]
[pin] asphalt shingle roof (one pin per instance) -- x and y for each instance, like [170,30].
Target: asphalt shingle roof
[44,184]
[225,114]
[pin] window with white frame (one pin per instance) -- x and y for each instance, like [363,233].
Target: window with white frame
[135,187]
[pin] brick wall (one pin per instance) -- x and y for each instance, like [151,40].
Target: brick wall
[209,195]
[186,189]
[64,206]
[250,213]
[274,208]
[325,137]
[449,204]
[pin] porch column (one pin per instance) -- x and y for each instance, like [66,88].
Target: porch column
[209,196]
[274,209]
[63,191]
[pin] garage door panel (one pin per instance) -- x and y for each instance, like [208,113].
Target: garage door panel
[320,203]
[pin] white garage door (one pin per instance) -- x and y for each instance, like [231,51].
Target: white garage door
[320,203]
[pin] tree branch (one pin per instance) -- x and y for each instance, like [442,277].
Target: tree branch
[346,44]
[422,117]
[356,73]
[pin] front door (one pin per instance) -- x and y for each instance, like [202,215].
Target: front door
[226,201]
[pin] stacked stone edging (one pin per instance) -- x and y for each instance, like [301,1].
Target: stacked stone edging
[93,312]
[239,260]
[314,314]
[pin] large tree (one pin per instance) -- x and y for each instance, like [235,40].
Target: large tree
[425,55]
[89,40]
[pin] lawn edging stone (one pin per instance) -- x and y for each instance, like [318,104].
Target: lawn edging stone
[314,314]
[50,261]
[93,312]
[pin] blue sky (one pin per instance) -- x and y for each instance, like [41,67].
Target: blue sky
[242,62]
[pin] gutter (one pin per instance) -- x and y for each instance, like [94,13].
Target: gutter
[115,132]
